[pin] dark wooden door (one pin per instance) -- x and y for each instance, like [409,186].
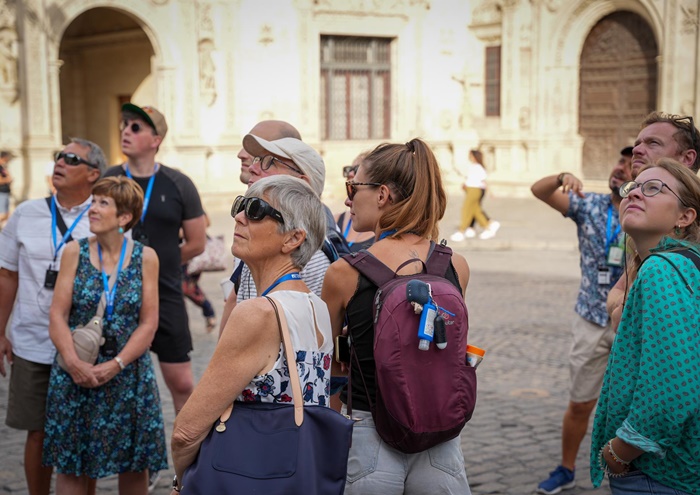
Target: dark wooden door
[617,88]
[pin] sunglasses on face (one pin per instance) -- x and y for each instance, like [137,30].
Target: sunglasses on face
[351,187]
[650,188]
[134,126]
[255,209]
[267,161]
[73,159]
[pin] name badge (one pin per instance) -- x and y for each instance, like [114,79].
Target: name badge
[615,256]
[604,275]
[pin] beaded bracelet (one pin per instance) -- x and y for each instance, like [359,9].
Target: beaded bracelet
[618,459]
[604,465]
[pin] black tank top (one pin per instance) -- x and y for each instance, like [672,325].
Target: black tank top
[361,327]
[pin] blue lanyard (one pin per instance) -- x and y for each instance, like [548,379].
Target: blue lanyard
[149,189]
[109,294]
[610,236]
[387,233]
[283,278]
[68,232]
[347,229]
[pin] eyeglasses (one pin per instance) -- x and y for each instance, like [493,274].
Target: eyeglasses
[650,188]
[348,169]
[267,160]
[351,187]
[255,209]
[135,126]
[73,159]
[686,123]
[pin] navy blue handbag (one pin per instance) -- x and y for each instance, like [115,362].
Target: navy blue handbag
[266,448]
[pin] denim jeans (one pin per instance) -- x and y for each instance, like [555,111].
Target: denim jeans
[639,483]
[374,468]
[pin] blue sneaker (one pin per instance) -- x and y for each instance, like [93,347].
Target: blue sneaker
[559,479]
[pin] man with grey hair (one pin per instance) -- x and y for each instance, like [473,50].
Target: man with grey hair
[30,255]
[284,156]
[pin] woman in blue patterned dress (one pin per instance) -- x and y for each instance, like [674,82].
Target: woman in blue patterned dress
[280,224]
[106,419]
[646,434]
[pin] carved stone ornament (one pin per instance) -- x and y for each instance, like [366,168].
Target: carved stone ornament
[9,80]
[487,20]
[207,72]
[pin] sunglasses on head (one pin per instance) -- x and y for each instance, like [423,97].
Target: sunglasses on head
[134,126]
[351,187]
[73,159]
[255,209]
[347,169]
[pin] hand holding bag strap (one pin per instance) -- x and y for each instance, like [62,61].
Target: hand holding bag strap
[291,363]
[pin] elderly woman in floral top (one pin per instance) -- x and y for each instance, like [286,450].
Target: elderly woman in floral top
[279,226]
[646,435]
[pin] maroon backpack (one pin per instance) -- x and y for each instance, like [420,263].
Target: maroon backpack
[423,398]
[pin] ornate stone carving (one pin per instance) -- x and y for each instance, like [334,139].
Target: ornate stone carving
[205,48]
[487,18]
[266,35]
[9,81]
[689,21]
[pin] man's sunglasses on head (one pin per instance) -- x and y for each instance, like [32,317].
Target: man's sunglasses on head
[73,159]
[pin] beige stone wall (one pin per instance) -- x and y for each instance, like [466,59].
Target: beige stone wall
[219,66]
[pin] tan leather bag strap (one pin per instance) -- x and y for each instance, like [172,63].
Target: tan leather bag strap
[291,362]
[293,372]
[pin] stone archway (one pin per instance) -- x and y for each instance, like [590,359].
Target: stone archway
[106,60]
[618,81]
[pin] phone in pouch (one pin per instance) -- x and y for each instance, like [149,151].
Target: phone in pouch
[50,278]
[342,349]
[109,348]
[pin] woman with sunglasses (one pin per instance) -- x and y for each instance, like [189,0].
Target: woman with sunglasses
[646,434]
[356,240]
[280,224]
[105,418]
[398,195]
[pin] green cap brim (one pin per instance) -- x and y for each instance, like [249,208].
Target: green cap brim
[131,108]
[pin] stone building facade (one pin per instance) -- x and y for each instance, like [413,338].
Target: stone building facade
[539,85]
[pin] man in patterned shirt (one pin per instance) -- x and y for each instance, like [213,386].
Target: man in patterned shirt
[602,249]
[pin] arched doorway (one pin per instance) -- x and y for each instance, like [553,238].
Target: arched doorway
[617,88]
[106,59]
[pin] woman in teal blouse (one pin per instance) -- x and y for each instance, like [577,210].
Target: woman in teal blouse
[646,434]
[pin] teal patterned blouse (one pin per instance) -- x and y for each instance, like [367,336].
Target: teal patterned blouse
[651,390]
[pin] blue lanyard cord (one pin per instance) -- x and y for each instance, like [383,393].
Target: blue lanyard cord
[610,236]
[149,189]
[283,278]
[54,214]
[347,229]
[345,234]
[109,294]
[387,233]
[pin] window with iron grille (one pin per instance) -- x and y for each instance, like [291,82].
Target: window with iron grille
[355,87]
[493,81]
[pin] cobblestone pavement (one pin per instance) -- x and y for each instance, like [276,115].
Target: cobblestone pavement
[520,298]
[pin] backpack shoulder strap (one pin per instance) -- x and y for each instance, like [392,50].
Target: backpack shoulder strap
[691,255]
[369,266]
[439,259]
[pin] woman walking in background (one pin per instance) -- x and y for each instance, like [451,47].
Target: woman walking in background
[475,187]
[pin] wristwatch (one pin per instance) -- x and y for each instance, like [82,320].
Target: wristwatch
[560,177]
[176,486]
